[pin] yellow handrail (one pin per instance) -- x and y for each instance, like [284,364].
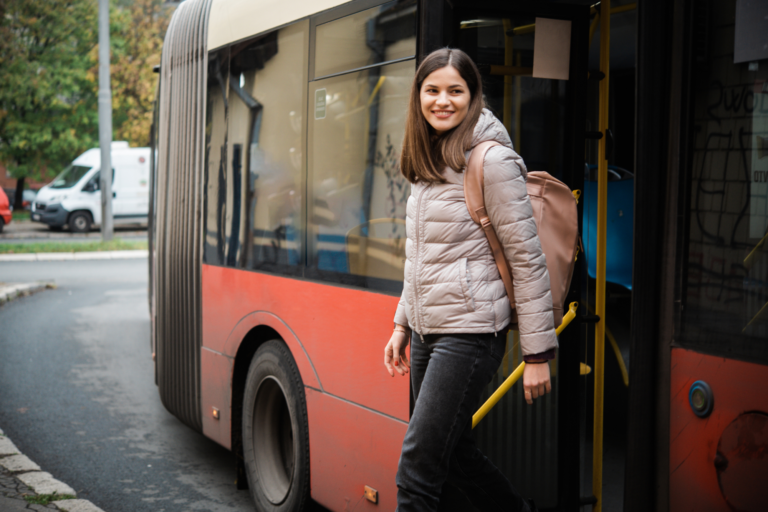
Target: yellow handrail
[528,29]
[510,381]
[614,10]
[754,252]
[602,225]
[758,316]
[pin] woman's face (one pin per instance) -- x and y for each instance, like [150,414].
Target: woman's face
[444,99]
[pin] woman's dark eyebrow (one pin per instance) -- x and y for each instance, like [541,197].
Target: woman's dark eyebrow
[449,87]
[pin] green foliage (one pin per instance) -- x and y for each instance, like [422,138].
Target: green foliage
[20,215]
[45,499]
[49,72]
[138,29]
[48,109]
[85,245]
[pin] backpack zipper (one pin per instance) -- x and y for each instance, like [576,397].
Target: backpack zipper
[416,273]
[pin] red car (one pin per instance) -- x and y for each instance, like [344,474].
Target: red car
[5,210]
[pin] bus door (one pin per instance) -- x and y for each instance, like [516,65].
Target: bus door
[717,350]
[533,61]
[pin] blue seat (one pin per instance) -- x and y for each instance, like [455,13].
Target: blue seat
[621,187]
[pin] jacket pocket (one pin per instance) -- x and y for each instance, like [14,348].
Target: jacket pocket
[465,278]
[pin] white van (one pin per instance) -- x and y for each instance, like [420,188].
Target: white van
[74,198]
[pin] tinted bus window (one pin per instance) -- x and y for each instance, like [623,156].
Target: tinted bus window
[215,185]
[255,172]
[266,147]
[373,36]
[725,275]
[357,196]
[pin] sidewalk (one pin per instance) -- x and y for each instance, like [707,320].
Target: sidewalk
[26,229]
[23,486]
[69,256]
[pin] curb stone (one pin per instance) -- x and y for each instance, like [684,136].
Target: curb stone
[76,506]
[44,483]
[7,447]
[8,292]
[70,256]
[18,464]
[20,477]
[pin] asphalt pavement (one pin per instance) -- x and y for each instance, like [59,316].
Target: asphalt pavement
[78,395]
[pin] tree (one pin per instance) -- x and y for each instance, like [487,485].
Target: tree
[138,29]
[49,70]
[48,110]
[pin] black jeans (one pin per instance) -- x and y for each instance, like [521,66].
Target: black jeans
[448,373]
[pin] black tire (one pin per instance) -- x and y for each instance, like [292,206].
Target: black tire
[80,222]
[276,432]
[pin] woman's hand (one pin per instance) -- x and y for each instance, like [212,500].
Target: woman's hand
[394,354]
[536,381]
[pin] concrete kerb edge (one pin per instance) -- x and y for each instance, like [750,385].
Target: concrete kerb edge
[12,291]
[41,482]
[76,506]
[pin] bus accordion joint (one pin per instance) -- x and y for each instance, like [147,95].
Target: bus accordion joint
[507,384]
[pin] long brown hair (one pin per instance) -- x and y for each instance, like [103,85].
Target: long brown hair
[425,153]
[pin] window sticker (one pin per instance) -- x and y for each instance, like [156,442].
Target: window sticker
[320,104]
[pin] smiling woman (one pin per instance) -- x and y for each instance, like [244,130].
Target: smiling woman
[444,99]
[445,104]
[454,302]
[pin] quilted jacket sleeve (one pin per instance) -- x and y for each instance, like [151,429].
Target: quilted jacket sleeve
[509,208]
[400,316]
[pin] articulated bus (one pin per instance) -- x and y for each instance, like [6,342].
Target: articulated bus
[277,243]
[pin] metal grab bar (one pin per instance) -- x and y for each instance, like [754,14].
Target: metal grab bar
[507,384]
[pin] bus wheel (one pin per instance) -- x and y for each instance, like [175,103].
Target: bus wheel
[275,431]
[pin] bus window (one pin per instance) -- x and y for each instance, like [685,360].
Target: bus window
[357,194]
[215,186]
[373,36]
[264,183]
[724,295]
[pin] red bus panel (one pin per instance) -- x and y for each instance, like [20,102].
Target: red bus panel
[712,463]
[357,413]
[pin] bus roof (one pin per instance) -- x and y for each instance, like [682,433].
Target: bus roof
[233,20]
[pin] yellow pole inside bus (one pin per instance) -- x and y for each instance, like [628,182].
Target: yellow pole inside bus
[602,207]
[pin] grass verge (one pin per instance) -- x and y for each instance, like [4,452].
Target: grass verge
[20,215]
[113,245]
[44,499]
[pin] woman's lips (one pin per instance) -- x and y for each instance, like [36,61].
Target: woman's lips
[443,114]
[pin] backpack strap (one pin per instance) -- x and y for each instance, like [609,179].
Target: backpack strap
[473,194]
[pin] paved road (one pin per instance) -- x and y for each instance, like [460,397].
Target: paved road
[77,394]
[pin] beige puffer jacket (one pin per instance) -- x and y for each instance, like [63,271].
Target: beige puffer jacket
[451,281]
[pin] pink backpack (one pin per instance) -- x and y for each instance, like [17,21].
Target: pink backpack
[554,210]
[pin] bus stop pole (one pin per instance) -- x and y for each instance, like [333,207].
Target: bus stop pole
[105,123]
[602,207]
